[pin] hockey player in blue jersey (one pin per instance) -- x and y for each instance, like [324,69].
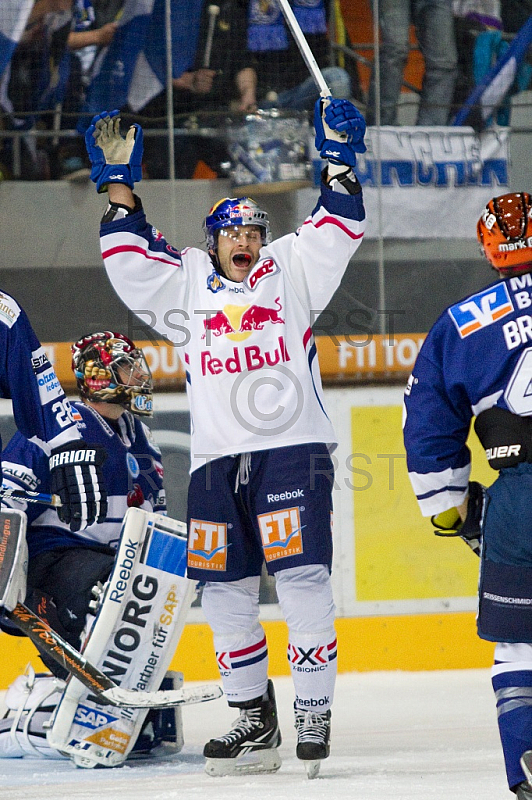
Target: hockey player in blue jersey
[43,414]
[476,363]
[115,385]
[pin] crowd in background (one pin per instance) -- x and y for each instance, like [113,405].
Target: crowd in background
[236,57]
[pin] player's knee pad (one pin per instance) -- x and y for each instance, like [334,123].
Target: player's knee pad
[132,640]
[232,610]
[306,599]
[29,703]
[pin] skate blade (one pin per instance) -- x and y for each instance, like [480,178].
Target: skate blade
[526,764]
[312,768]
[246,764]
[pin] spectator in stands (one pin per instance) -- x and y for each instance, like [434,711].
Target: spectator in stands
[281,75]
[488,27]
[203,96]
[31,80]
[471,17]
[433,21]
[92,28]
[242,76]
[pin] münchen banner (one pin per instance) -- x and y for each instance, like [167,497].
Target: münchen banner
[429,182]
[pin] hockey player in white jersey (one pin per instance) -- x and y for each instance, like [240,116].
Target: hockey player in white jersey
[476,362]
[261,485]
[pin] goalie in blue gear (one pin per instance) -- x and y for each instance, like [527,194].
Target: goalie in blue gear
[66,570]
[42,413]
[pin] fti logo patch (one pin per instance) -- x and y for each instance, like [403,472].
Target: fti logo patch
[481,310]
[281,533]
[207,545]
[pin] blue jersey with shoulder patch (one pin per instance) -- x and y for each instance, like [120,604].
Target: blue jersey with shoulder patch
[477,355]
[132,472]
[41,410]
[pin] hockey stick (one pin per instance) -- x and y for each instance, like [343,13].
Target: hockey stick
[304,48]
[31,497]
[213,13]
[90,676]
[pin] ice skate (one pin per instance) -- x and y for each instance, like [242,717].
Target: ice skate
[251,744]
[313,733]
[524,790]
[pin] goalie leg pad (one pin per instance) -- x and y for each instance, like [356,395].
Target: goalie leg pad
[29,703]
[13,558]
[132,640]
[162,732]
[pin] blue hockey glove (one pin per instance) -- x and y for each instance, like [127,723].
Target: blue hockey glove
[113,158]
[340,129]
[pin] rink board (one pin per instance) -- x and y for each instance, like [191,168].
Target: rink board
[405,598]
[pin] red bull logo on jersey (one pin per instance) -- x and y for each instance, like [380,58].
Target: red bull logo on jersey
[207,545]
[244,358]
[481,310]
[281,533]
[238,322]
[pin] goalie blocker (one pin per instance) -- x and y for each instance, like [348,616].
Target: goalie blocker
[132,640]
[13,558]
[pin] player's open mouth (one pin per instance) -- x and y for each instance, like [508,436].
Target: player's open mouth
[242,260]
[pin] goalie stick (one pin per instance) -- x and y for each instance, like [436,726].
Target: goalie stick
[90,676]
[31,497]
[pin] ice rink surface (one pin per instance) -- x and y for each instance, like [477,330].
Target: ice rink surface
[395,736]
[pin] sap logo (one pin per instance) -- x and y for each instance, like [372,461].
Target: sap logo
[90,718]
[481,310]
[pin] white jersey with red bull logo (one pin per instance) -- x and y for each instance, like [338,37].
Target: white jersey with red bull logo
[253,377]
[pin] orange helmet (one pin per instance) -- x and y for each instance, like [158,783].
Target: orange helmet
[505,233]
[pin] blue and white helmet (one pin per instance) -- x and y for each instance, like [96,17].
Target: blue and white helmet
[232,211]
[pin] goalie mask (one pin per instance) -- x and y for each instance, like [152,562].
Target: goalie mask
[109,368]
[232,213]
[505,233]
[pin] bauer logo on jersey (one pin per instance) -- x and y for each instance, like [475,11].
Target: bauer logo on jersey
[207,545]
[481,310]
[281,533]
